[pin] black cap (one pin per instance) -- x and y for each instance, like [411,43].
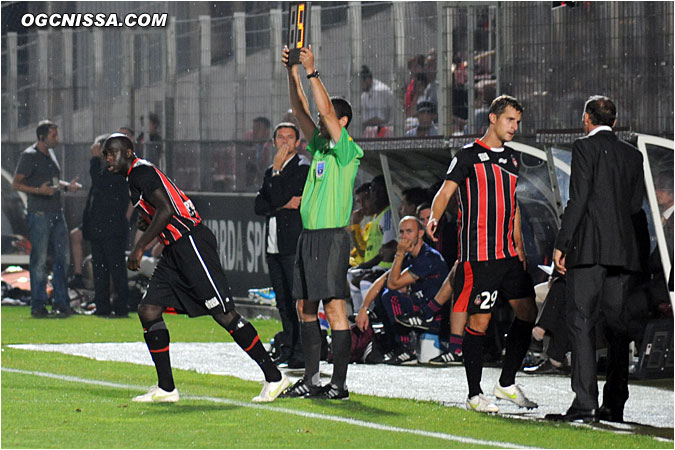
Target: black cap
[426,106]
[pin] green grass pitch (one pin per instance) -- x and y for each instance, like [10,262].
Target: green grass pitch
[73,407]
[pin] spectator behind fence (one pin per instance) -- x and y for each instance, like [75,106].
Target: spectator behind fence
[279,200]
[414,278]
[261,158]
[430,91]
[105,224]
[377,105]
[380,245]
[359,233]
[128,132]
[490,266]
[153,149]
[153,129]
[188,278]
[460,96]
[426,116]
[38,174]
[322,257]
[416,85]
[606,190]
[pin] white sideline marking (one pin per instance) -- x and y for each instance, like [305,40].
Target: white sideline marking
[356,422]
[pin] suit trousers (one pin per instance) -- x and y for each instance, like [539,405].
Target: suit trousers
[109,261]
[281,275]
[594,291]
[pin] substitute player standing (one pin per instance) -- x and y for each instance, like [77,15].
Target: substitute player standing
[491,256]
[322,257]
[188,278]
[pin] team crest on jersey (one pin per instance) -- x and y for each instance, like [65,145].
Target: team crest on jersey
[478,300]
[320,168]
[513,159]
[211,303]
[483,157]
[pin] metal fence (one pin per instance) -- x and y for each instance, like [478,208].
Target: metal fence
[553,59]
[208,76]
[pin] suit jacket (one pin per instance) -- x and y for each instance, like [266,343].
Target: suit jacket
[275,193]
[107,204]
[606,189]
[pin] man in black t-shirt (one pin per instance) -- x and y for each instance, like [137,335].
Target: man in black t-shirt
[491,254]
[38,174]
[188,278]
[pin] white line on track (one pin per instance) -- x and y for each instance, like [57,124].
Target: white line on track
[310,415]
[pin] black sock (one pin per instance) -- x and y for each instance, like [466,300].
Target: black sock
[310,333]
[342,347]
[157,339]
[431,308]
[516,345]
[456,343]
[246,336]
[472,348]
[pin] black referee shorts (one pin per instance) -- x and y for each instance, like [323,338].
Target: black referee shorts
[190,278]
[321,263]
[478,284]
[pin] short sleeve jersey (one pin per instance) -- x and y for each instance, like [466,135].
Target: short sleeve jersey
[486,179]
[38,168]
[430,269]
[144,178]
[327,197]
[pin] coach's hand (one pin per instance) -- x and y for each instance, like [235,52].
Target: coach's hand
[134,259]
[559,261]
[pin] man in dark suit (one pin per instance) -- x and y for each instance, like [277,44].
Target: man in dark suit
[279,200]
[105,224]
[597,249]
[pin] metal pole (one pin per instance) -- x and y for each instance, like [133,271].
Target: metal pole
[471,78]
[390,188]
[12,68]
[355,31]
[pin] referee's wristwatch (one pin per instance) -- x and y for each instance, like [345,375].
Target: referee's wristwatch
[275,172]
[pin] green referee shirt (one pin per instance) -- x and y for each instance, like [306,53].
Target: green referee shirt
[327,197]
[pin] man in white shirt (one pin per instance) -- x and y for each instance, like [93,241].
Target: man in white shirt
[377,101]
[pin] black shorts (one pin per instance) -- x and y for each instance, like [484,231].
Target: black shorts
[189,277]
[479,284]
[321,263]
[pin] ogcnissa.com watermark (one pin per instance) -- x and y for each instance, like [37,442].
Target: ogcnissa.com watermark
[94,20]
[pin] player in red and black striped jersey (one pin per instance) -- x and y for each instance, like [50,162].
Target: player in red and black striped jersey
[188,278]
[491,259]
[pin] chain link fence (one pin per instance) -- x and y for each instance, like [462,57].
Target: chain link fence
[210,72]
[553,60]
